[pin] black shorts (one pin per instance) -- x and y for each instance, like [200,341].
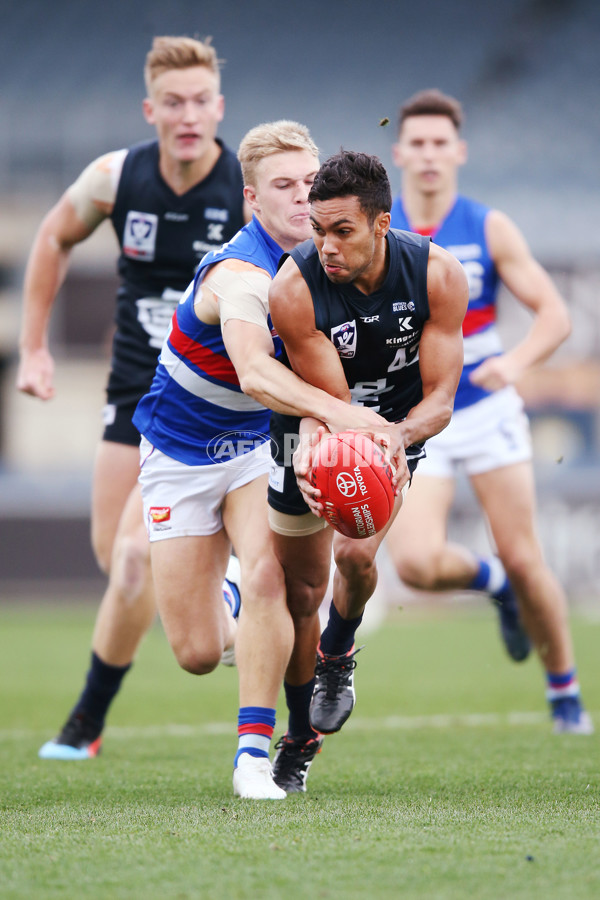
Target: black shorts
[284,494]
[118,426]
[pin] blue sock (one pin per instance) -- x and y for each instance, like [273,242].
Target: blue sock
[255,730]
[490,577]
[338,635]
[561,685]
[102,685]
[298,701]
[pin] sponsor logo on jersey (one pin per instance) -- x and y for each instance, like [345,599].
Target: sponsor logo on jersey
[369,319]
[343,337]
[176,217]
[159,514]
[139,235]
[215,232]
[405,323]
[202,247]
[154,315]
[216,215]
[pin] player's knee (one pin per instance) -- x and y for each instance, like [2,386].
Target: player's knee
[131,567]
[521,566]
[197,660]
[305,595]
[354,560]
[264,579]
[417,572]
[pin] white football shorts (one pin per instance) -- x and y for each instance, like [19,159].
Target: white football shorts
[488,435]
[181,500]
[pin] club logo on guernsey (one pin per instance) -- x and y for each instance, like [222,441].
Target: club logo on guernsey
[159,514]
[403,306]
[139,235]
[343,337]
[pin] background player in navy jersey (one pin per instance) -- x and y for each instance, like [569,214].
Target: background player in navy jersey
[205,448]
[488,435]
[373,315]
[170,200]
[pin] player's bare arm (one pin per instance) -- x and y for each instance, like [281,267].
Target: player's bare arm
[440,349]
[73,219]
[246,334]
[532,286]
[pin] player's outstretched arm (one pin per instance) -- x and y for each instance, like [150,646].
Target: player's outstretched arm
[532,286]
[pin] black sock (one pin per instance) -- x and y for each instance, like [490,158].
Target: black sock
[338,635]
[102,685]
[298,700]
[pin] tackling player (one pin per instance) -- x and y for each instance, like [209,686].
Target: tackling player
[205,451]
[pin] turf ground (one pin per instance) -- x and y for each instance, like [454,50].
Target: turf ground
[446,782]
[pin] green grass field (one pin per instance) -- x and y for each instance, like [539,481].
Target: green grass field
[446,782]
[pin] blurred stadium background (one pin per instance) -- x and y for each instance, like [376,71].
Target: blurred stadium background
[527,72]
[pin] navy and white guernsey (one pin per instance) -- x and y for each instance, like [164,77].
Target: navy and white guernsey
[162,236]
[462,233]
[376,335]
[195,400]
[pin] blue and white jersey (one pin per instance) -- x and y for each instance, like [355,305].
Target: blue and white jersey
[462,233]
[195,410]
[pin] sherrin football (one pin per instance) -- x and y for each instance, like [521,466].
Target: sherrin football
[355,482]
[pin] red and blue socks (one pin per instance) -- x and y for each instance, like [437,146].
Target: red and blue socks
[255,730]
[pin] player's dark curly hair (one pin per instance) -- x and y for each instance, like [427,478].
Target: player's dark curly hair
[352,174]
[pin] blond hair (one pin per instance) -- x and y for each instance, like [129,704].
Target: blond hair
[180,53]
[269,138]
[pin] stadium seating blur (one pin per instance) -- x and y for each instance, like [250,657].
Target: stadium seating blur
[527,72]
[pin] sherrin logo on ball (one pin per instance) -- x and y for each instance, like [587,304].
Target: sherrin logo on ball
[355,482]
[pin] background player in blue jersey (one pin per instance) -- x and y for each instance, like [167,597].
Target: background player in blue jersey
[488,435]
[170,200]
[403,300]
[205,447]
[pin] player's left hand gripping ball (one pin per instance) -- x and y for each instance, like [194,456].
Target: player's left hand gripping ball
[355,482]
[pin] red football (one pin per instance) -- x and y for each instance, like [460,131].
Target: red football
[355,483]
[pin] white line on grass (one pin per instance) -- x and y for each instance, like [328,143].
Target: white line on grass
[389,723]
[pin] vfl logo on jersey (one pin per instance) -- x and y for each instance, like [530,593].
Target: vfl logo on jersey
[139,235]
[343,338]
